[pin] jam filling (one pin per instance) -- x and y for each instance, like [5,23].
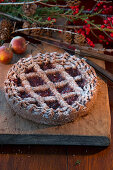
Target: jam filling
[35,81]
[56,77]
[17,82]
[46,66]
[29,70]
[65,89]
[37,104]
[81,83]
[73,72]
[45,93]
[71,100]
[53,104]
[24,95]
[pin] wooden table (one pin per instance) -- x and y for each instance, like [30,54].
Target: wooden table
[39,157]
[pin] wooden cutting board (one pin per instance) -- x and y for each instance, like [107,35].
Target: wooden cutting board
[93,129]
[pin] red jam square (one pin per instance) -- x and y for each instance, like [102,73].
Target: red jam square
[30,70]
[53,104]
[23,95]
[46,66]
[45,93]
[71,100]
[81,83]
[65,89]
[56,77]
[17,82]
[35,81]
[73,72]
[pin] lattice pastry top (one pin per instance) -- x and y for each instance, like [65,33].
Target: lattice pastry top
[51,88]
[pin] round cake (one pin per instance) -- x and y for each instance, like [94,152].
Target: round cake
[51,88]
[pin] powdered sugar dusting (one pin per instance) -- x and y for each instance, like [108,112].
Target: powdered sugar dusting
[55,84]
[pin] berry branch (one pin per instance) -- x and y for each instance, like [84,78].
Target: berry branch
[38,2]
[20,3]
[44,28]
[44,15]
[11,17]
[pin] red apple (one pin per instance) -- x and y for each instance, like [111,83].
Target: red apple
[18,45]
[6,55]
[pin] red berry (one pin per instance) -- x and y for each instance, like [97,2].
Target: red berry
[109,19]
[54,19]
[105,21]
[88,25]
[101,37]
[86,20]
[91,44]
[87,31]
[101,3]
[74,22]
[75,12]
[98,4]
[111,34]
[83,33]
[109,39]
[102,26]
[96,9]
[84,26]
[88,39]
[79,31]
[103,12]
[104,6]
[49,18]
[109,27]
[100,41]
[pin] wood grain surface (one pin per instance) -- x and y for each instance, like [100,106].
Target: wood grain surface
[93,129]
[92,158]
[33,157]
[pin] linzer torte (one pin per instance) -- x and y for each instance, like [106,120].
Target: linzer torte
[51,88]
